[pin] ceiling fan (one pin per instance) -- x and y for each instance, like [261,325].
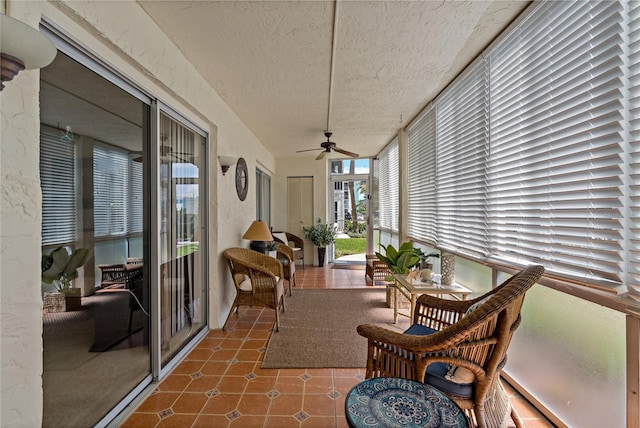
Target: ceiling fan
[168,155]
[327,146]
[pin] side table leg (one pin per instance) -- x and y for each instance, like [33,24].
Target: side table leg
[395,302]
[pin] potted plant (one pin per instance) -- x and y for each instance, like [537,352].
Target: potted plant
[272,249]
[60,268]
[321,235]
[425,262]
[400,260]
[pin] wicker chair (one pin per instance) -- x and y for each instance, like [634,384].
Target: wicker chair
[286,257]
[298,244]
[447,334]
[258,279]
[376,269]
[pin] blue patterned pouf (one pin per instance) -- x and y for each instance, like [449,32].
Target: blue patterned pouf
[393,402]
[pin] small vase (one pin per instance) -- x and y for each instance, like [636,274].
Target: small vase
[273,253]
[448,269]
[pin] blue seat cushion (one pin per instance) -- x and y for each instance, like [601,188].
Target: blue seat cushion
[436,372]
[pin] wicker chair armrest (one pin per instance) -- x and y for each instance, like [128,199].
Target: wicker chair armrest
[427,301]
[285,251]
[299,242]
[436,342]
[247,261]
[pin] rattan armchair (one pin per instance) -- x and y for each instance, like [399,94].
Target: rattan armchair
[258,279]
[286,257]
[376,269]
[446,334]
[293,241]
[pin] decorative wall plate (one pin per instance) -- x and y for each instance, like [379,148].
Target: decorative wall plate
[242,179]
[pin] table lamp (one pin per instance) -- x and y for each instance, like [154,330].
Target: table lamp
[258,233]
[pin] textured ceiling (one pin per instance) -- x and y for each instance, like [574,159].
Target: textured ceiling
[272,61]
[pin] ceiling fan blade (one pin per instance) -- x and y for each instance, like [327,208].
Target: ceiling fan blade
[321,155]
[308,150]
[345,152]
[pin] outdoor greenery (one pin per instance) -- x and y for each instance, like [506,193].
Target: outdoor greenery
[345,247]
[348,226]
[184,250]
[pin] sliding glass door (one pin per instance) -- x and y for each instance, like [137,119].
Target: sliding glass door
[96,347]
[126,183]
[182,235]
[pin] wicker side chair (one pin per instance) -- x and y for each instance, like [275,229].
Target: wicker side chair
[287,258]
[376,269]
[258,279]
[449,336]
[293,241]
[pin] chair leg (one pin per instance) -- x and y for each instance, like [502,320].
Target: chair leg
[234,307]
[516,418]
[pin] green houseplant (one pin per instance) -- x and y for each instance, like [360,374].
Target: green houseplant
[60,268]
[321,235]
[272,248]
[402,259]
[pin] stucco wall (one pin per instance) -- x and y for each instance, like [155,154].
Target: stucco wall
[120,33]
[20,218]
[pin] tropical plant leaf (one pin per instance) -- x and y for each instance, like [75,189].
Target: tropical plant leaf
[77,260]
[59,259]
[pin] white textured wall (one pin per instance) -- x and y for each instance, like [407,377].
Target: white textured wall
[20,302]
[124,36]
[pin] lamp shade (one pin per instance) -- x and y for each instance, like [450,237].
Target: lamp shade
[258,231]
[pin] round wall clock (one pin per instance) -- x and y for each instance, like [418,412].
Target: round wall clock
[242,179]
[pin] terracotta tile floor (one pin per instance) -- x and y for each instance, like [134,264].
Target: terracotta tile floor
[221,382]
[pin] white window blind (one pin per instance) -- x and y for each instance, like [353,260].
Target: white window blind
[421,179]
[110,191]
[57,180]
[462,153]
[634,134]
[557,140]
[135,208]
[388,190]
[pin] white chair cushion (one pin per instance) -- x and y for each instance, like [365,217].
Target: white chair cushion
[245,285]
[281,236]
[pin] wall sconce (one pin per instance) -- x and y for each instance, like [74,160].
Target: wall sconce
[22,47]
[226,162]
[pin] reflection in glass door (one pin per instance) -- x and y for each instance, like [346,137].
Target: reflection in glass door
[182,225]
[93,143]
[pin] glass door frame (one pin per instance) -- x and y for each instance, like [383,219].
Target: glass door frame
[158,370]
[367,178]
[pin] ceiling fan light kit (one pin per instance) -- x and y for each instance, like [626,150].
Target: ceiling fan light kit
[328,146]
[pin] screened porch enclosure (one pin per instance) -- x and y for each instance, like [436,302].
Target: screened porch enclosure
[530,156]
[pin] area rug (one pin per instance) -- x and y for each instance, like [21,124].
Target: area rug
[111,314]
[318,328]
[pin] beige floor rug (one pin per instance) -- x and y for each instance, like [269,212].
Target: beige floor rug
[318,328]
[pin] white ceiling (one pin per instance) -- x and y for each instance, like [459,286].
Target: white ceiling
[271,61]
